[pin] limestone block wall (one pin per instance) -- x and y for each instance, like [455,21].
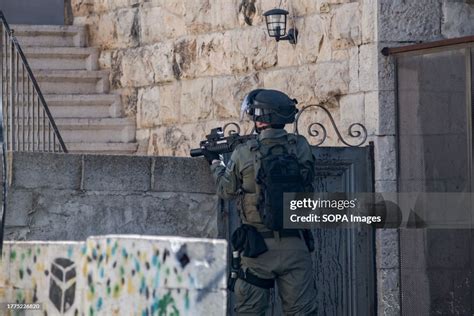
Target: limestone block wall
[183,67]
[117,275]
[71,197]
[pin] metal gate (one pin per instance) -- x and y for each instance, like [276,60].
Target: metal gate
[344,260]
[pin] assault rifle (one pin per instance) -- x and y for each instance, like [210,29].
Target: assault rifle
[216,142]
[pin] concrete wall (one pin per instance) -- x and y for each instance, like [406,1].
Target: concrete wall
[117,275]
[183,67]
[70,197]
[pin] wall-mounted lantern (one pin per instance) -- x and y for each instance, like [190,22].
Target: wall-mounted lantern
[276,26]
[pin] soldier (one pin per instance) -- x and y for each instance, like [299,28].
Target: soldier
[269,253]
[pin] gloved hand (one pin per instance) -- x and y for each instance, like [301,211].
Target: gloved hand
[210,156]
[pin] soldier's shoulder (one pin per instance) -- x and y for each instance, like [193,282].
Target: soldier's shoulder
[241,150]
[300,139]
[242,147]
[302,144]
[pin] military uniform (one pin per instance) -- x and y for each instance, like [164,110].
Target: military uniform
[288,259]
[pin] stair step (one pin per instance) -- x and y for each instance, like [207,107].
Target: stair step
[72,81]
[50,35]
[96,130]
[81,129]
[75,105]
[84,105]
[102,148]
[96,123]
[62,58]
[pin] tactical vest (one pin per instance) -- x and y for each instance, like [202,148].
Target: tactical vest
[277,171]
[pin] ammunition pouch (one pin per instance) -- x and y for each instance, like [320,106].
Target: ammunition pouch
[249,241]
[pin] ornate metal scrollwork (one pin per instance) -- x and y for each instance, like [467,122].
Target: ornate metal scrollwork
[316,129]
[232,131]
[314,132]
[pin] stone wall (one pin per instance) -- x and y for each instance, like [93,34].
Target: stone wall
[117,275]
[184,67]
[71,197]
[400,23]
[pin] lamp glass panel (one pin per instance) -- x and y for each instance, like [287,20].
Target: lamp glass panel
[276,25]
[277,18]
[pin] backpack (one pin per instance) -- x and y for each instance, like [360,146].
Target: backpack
[277,171]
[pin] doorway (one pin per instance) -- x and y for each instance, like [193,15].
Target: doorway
[435,143]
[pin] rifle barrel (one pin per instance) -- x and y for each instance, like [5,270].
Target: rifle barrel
[196,152]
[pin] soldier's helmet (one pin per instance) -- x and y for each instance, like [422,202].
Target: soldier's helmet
[269,106]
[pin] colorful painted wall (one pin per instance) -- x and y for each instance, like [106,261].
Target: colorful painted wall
[116,275]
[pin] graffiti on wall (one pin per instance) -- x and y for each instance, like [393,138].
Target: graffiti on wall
[117,275]
[62,284]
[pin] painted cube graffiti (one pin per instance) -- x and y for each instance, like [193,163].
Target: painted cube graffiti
[62,288]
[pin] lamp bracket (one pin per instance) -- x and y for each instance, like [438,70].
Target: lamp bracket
[291,36]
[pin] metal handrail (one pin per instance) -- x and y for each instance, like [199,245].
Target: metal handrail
[27,121]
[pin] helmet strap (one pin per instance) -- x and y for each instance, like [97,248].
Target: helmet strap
[256,129]
[259,129]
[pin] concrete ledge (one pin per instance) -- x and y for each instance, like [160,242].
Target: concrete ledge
[179,174]
[71,197]
[75,215]
[111,173]
[46,170]
[116,173]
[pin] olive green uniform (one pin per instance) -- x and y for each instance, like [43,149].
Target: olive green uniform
[287,260]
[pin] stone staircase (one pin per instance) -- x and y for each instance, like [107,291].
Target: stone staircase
[77,93]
